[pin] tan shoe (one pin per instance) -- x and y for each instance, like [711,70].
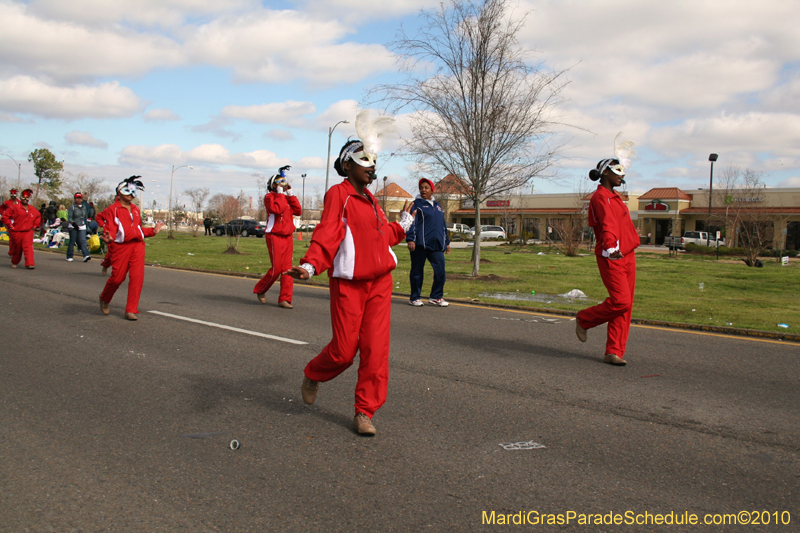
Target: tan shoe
[285,305]
[131,316]
[105,271]
[363,425]
[613,359]
[309,390]
[104,307]
[579,331]
[262,297]
[30,267]
[13,265]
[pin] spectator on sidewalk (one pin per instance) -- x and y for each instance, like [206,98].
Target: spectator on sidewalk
[76,222]
[427,240]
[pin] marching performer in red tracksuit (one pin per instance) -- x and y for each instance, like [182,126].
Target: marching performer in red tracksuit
[281,204]
[123,231]
[617,239]
[106,263]
[353,242]
[20,220]
[5,205]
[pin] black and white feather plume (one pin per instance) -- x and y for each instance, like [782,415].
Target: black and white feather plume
[372,129]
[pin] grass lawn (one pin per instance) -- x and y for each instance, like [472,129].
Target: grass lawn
[667,288]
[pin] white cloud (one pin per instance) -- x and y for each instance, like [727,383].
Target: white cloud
[279,135]
[794,181]
[157,115]
[208,154]
[289,113]
[23,94]
[11,118]
[84,138]
[312,162]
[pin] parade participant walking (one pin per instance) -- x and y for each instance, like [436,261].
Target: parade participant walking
[427,239]
[123,232]
[353,242]
[12,200]
[281,205]
[20,220]
[76,222]
[616,241]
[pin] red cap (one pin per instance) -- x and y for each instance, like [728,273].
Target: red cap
[78,195]
[429,183]
[27,193]
[13,191]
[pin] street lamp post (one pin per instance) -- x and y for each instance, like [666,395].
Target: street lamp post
[174,168]
[384,193]
[328,166]
[712,158]
[19,167]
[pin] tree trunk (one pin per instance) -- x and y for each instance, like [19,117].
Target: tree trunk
[476,249]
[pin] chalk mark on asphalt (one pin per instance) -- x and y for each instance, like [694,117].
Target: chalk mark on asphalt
[229,328]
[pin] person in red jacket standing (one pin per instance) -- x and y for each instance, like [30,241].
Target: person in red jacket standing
[617,239]
[5,205]
[281,205]
[20,220]
[353,242]
[123,232]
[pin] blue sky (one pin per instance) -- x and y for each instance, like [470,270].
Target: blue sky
[242,87]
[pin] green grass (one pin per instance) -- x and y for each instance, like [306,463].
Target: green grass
[667,288]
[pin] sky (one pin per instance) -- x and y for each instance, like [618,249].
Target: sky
[241,87]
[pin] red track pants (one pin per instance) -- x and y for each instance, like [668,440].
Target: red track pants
[107,259]
[21,242]
[128,257]
[280,254]
[619,277]
[360,318]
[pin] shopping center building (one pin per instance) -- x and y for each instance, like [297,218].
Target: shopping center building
[657,213]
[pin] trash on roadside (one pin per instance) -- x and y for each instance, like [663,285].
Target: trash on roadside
[533,292]
[574,293]
[693,310]
[235,445]
[190,253]
[528,445]
[540,253]
[783,325]
[702,286]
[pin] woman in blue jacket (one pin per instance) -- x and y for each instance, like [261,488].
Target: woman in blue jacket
[427,239]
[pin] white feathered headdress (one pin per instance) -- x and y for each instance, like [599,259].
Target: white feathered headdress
[623,152]
[372,129]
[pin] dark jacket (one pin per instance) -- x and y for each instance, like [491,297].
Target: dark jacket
[429,229]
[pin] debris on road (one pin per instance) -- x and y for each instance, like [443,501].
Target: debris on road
[235,444]
[527,445]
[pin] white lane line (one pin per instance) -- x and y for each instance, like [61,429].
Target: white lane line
[230,328]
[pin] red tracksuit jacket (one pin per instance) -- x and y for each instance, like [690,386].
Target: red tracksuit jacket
[8,203]
[354,240]
[612,224]
[16,218]
[124,225]
[280,209]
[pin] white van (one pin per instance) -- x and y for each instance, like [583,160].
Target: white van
[457,228]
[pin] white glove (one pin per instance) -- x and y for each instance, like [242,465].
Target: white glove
[406,220]
[289,192]
[279,190]
[308,267]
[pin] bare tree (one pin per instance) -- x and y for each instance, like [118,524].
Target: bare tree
[742,193]
[481,111]
[198,197]
[91,188]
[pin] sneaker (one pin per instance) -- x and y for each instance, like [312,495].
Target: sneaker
[30,267]
[613,359]
[87,258]
[13,265]
[70,259]
[363,425]
[262,297]
[438,302]
[104,307]
[285,304]
[309,390]
[579,331]
[416,303]
[131,316]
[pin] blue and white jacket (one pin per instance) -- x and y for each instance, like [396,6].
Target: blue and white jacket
[429,229]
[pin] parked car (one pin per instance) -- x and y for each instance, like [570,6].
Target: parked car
[489,232]
[241,226]
[457,228]
[306,227]
[700,238]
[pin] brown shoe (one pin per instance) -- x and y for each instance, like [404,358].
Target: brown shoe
[30,267]
[579,331]
[309,390]
[363,425]
[105,271]
[613,359]
[262,297]
[104,307]
[131,316]
[13,265]
[285,305]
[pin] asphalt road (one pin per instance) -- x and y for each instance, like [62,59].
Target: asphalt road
[111,425]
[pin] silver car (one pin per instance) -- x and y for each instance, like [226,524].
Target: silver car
[489,232]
